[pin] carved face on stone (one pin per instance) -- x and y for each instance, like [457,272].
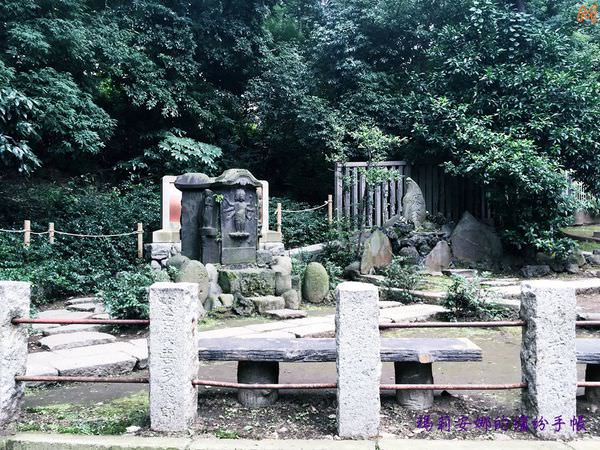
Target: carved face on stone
[240,195]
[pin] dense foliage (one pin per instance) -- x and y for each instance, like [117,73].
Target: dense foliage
[504,92]
[74,265]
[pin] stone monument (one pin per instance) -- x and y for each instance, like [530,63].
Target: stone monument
[413,203]
[219,217]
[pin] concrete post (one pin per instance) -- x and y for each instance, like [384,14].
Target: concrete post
[548,359]
[358,360]
[173,357]
[14,302]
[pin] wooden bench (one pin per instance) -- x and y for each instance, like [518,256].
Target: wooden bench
[588,352]
[258,361]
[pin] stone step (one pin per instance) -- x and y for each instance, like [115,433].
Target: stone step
[85,307]
[78,300]
[267,302]
[74,340]
[63,329]
[383,304]
[410,313]
[57,314]
[285,314]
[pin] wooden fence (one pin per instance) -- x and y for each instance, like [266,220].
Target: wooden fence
[445,194]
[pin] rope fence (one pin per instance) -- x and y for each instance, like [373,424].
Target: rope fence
[329,203]
[52,232]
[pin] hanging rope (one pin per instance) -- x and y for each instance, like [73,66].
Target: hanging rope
[305,210]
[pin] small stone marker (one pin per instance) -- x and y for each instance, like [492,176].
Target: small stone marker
[439,258]
[358,360]
[377,252]
[315,283]
[173,360]
[14,302]
[548,354]
[267,302]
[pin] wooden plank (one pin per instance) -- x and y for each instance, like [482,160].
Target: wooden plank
[347,188]
[380,163]
[355,205]
[588,351]
[362,197]
[435,191]
[385,201]
[424,350]
[338,190]
[378,205]
[393,188]
[370,207]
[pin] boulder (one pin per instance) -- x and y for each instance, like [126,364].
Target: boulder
[439,258]
[351,271]
[264,258]
[535,271]
[283,274]
[315,284]
[413,203]
[226,300]
[267,302]
[194,272]
[475,242]
[410,254]
[247,282]
[212,303]
[291,299]
[214,290]
[377,252]
[243,306]
[593,259]
[177,261]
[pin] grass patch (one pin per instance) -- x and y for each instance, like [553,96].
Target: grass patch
[100,419]
[584,230]
[434,283]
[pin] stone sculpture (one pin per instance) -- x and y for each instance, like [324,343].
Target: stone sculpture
[413,203]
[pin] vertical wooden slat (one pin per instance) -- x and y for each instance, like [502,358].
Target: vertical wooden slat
[378,205]
[338,190]
[51,232]
[435,191]
[393,188]
[347,176]
[278,217]
[362,197]
[370,207]
[385,201]
[355,205]
[330,209]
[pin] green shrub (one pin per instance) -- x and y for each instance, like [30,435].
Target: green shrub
[400,275]
[466,299]
[126,295]
[73,265]
[299,228]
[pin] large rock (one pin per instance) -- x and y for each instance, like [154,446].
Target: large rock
[535,271]
[267,303]
[413,203]
[214,290]
[377,252]
[247,282]
[439,258]
[283,274]
[194,272]
[177,261]
[475,242]
[315,284]
[410,254]
[291,299]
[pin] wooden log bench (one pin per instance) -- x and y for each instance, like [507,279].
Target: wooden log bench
[588,353]
[258,361]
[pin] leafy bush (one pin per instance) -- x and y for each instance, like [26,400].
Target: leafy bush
[73,265]
[299,228]
[126,295]
[400,275]
[466,299]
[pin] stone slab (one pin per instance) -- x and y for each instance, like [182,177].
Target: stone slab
[588,351]
[93,364]
[318,330]
[86,307]
[285,314]
[64,329]
[383,304]
[64,314]
[267,302]
[79,300]
[410,313]
[259,327]
[74,340]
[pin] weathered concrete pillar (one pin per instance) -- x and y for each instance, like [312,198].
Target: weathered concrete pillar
[173,357]
[358,360]
[14,302]
[414,372]
[258,372]
[548,360]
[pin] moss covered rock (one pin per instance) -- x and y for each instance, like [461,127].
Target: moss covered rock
[315,283]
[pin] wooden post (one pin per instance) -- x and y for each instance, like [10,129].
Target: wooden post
[330,209]
[140,240]
[27,233]
[278,217]
[51,232]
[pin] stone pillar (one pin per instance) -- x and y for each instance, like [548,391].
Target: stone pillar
[14,302]
[548,359]
[358,360]
[257,372]
[414,372]
[173,358]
